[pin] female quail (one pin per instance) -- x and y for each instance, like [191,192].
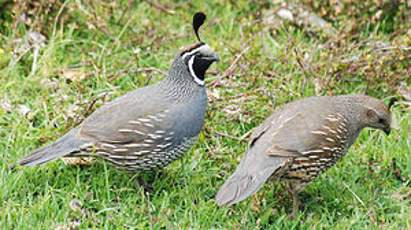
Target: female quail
[300,140]
[148,128]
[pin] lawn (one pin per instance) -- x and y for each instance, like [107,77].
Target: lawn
[61,61]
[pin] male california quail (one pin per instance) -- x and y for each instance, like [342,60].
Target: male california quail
[147,128]
[300,140]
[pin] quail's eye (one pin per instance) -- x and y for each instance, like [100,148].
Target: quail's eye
[381,120]
[187,59]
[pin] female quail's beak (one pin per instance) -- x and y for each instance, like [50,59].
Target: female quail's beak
[387,130]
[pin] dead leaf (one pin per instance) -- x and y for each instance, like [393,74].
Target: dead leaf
[318,86]
[51,84]
[405,92]
[73,111]
[72,225]
[256,204]
[6,105]
[232,110]
[23,110]
[402,194]
[36,39]
[213,95]
[82,161]
[396,171]
[32,39]
[75,205]
[285,14]
[73,74]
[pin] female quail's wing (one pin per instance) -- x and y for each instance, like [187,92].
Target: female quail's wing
[303,134]
[257,165]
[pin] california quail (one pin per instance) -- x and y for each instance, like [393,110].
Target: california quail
[147,128]
[301,140]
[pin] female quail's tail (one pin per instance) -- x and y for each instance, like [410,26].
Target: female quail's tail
[66,145]
[250,175]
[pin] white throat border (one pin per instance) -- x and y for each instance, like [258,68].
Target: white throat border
[193,74]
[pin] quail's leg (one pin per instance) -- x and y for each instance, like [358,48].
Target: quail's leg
[296,200]
[140,182]
[296,204]
[146,181]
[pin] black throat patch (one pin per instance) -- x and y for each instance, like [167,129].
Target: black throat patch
[200,67]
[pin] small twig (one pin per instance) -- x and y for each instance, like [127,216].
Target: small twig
[160,7]
[56,19]
[302,66]
[227,135]
[246,135]
[124,11]
[150,69]
[371,214]
[396,171]
[404,48]
[355,195]
[89,109]
[230,70]
[35,58]
[300,63]
[18,58]
[95,22]
[136,70]
[91,105]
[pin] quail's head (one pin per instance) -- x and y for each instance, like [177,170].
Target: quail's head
[376,114]
[197,59]
[194,60]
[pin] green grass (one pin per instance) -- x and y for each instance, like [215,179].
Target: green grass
[112,46]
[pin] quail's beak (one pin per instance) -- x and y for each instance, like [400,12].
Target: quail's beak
[212,57]
[387,130]
[393,125]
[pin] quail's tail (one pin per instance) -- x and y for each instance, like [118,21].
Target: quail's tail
[250,175]
[68,144]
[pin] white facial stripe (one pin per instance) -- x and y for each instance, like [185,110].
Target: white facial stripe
[191,52]
[203,46]
[193,74]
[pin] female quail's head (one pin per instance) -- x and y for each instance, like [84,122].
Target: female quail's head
[374,113]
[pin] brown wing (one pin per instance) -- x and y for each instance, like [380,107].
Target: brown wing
[329,146]
[300,134]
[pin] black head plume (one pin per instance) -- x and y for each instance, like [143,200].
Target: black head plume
[198,21]
[392,102]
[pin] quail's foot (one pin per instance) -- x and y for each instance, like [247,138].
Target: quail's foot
[141,182]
